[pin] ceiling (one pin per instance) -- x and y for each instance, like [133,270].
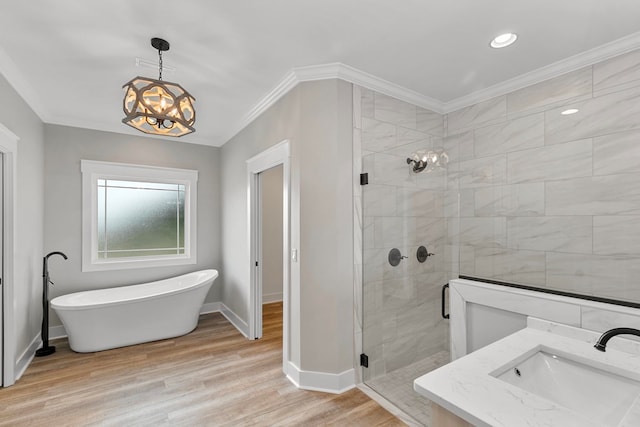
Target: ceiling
[69,58]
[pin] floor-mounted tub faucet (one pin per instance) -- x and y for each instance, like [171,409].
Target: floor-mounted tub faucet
[46,349]
[604,338]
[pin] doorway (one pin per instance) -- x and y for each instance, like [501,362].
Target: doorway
[270,234]
[258,169]
[8,150]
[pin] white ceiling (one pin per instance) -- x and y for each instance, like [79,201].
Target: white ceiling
[70,58]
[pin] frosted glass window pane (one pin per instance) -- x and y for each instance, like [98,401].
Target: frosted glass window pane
[101,223]
[181,218]
[140,219]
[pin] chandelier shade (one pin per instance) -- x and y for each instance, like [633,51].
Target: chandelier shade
[158,107]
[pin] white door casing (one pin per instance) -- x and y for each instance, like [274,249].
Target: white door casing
[274,156]
[8,148]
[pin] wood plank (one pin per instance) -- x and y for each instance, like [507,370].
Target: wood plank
[211,377]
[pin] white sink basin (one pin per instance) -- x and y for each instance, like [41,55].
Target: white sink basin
[601,396]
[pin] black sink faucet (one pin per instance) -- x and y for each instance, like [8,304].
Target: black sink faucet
[604,338]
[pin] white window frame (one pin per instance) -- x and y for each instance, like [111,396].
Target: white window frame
[94,170]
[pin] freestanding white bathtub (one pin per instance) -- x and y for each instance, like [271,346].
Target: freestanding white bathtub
[116,317]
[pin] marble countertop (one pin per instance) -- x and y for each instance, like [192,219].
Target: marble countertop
[466,388]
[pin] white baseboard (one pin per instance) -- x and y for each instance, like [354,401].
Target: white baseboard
[267,298]
[27,356]
[321,381]
[210,307]
[56,332]
[235,320]
[215,307]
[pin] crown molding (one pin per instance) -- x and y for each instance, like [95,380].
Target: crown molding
[288,82]
[584,59]
[16,80]
[344,72]
[369,81]
[8,133]
[335,70]
[350,74]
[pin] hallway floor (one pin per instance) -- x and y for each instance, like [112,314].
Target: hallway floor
[211,377]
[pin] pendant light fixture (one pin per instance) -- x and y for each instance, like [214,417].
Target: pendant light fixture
[158,107]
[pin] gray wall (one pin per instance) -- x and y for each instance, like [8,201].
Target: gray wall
[317,119]
[273,126]
[65,147]
[271,210]
[326,227]
[18,117]
[547,199]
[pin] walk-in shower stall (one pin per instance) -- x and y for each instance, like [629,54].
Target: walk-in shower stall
[406,252]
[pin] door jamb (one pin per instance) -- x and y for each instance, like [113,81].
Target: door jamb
[278,154]
[9,149]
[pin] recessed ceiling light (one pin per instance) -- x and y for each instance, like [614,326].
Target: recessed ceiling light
[569,111]
[503,40]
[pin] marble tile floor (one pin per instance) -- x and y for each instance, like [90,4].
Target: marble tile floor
[397,387]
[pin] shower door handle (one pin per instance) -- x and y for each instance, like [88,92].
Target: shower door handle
[444,288]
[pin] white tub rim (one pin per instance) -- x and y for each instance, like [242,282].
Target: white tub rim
[70,302]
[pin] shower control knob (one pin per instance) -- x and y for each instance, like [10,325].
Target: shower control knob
[422,254]
[395,257]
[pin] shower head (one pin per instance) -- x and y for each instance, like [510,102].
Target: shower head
[429,160]
[418,164]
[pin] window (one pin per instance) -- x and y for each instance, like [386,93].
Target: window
[137,216]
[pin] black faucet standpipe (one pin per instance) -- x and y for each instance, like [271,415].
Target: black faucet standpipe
[604,338]
[46,348]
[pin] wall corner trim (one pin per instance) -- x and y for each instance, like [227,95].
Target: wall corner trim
[321,381]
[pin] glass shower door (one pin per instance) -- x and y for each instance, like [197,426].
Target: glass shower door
[404,269]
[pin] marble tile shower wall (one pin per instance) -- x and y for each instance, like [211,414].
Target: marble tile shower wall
[404,210]
[547,199]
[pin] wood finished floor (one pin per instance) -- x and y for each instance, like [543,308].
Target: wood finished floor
[211,377]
